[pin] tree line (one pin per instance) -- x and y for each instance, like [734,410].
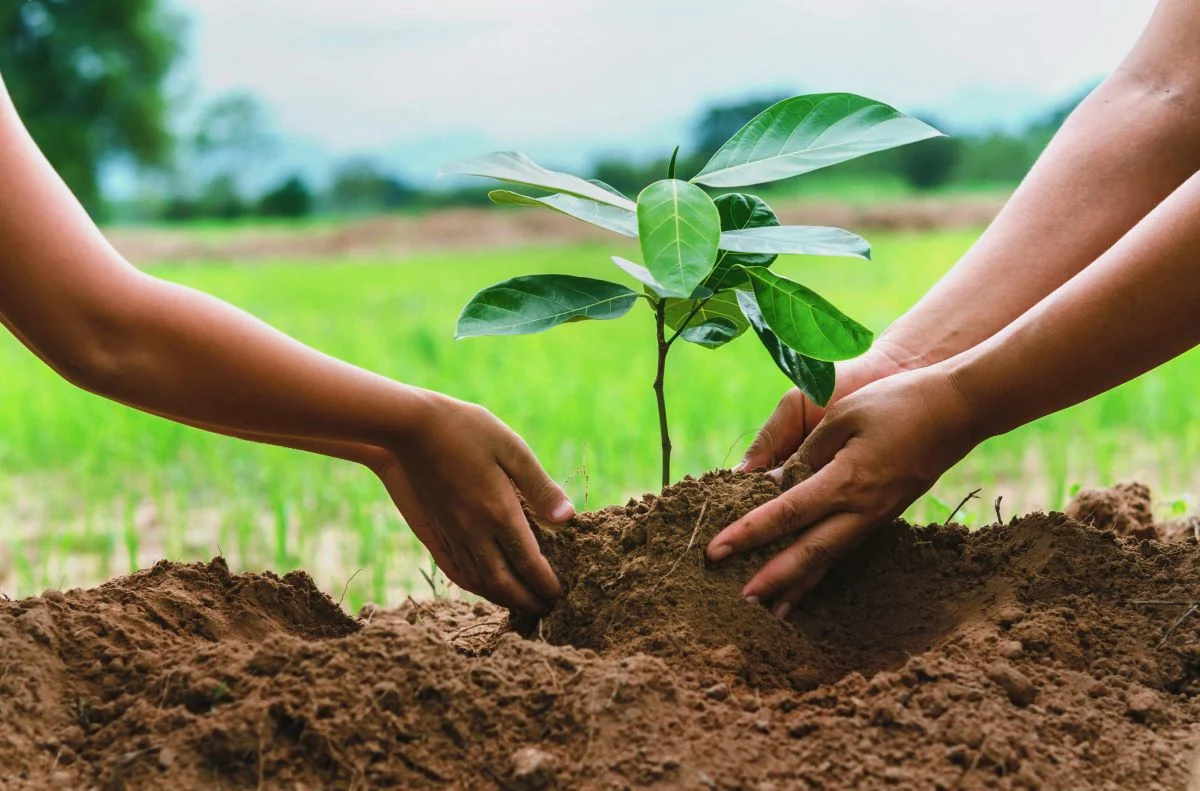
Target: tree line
[92,81]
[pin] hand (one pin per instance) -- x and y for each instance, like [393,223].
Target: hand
[796,415]
[873,455]
[453,479]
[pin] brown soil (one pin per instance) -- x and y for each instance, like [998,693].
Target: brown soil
[1015,656]
[491,228]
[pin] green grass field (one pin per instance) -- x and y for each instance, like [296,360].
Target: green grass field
[89,489]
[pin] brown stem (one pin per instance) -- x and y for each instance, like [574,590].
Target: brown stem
[660,323]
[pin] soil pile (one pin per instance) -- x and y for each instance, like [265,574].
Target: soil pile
[1017,656]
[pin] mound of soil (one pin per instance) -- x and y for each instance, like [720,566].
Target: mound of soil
[1016,656]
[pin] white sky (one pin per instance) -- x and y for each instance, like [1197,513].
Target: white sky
[444,77]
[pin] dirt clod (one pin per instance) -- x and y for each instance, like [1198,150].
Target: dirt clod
[1016,685]
[1010,657]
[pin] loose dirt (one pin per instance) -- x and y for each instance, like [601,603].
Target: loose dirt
[1015,656]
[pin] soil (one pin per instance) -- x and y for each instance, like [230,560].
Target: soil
[1014,656]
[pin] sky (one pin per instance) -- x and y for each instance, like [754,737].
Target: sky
[419,83]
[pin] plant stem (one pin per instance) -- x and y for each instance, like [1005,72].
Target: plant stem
[660,323]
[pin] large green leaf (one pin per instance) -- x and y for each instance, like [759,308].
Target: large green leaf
[533,303]
[806,321]
[815,378]
[610,218]
[717,319]
[797,240]
[805,133]
[516,168]
[738,212]
[679,229]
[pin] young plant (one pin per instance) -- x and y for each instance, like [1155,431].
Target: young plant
[705,261]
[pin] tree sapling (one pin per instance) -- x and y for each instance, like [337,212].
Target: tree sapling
[705,261]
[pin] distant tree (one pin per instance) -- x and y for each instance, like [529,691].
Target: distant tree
[929,163]
[360,186]
[718,122]
[292,198]
[232,133]
[222,199]
[87,77]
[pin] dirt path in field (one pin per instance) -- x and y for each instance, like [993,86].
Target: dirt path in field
[1017,656]
[469,229]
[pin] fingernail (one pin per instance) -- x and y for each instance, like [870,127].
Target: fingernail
[782,609]
[751,600]
[563,511]
[717,554]
[741,465]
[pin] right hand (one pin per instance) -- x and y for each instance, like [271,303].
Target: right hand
[796,416]
[455,479]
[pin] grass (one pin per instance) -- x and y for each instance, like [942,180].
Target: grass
[90,489]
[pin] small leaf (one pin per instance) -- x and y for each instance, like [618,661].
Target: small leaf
[671,167]
[804,133]
[642,275]
[815,378]
[516,168]
[797,240]
[533,303]
[713,333]
[739,211]
[717,319]
[679,230]
[610,218]
[804,320]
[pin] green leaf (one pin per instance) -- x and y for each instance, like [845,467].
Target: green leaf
[797,240]
[717,320]
[739,211]
[533,303]
[642,275]
[804,320]
[671,166]
[606,186]
[516,168]
[815,378]
[679,228]
[610,218]
[804,133]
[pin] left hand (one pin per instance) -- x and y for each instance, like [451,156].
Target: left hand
[874,453]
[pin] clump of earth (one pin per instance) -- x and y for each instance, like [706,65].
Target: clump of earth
[1048,652]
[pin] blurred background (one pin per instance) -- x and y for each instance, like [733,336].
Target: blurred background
[283,155]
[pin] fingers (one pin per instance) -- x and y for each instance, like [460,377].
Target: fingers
[520,548]
[796,570]
[802,505]
[499,581]
[545,497]
[780,435]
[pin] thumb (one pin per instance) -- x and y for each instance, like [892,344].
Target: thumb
[545,497]
[780,435]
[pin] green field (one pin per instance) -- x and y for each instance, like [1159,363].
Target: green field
[89,489]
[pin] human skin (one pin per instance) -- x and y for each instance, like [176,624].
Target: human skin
[1085,280]
[452,469]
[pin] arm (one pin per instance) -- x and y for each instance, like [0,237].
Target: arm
[175,352]
[1128,146]
[886,445]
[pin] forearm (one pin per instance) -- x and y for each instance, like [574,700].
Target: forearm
[1126,148]
[1135,308]
[164,348]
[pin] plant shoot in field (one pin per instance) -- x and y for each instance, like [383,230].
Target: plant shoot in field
[705,261]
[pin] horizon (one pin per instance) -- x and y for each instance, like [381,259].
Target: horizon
[335,79]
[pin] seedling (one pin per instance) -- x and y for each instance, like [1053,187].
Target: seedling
[705,261]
